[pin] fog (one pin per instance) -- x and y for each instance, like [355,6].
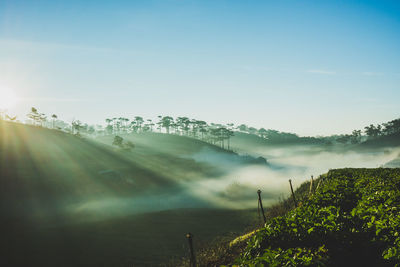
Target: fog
[237,188]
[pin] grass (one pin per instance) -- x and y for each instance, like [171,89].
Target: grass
[46,174]
[141,240]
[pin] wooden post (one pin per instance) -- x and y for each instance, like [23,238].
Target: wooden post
[291,188]
[261,205]
[316,189]
[311,186]
[192,255]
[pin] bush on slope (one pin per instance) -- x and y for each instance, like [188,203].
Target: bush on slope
[353,220]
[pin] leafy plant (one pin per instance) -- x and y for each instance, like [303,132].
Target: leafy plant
[353,219]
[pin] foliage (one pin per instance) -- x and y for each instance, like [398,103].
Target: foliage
[292,257]
[353,219]
[224,250]
[119,142]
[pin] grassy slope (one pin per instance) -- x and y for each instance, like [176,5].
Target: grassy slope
[140,240]
[42,170]
[32,157]
[41,165]
[158,152]
[175,148]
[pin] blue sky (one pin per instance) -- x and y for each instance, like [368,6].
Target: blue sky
[310,67]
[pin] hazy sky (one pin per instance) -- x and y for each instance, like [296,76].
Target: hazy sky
[311,67]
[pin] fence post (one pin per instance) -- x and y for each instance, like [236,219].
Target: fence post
[192,255]
[311,186]
[294,198]
[316,189]
[261,205]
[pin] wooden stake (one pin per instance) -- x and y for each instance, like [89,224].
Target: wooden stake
[189,236]
[291,188]
[311,186]
[261,205]
[316,189]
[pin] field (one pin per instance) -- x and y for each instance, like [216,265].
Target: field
[351,220]
[145,239]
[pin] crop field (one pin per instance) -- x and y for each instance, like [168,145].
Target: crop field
[352,220]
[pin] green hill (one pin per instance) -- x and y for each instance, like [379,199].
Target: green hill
[178,150]
[41,167]
[68,201]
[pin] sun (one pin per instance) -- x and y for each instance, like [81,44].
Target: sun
[7,98]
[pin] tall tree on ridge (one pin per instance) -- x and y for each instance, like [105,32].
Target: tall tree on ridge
[202,128]
[166,122]
[150,124]
[139,121]
[34,115]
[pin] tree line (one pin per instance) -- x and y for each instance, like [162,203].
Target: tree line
[218,134]
[371,132]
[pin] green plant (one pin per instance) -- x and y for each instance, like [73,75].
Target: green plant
[353,219]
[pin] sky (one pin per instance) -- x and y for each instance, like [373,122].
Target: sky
[309,67]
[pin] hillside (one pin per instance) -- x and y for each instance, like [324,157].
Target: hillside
[41,167]
[391,140]
[352,220]
[163,146]
[47,165]
[68,201]
[244,141]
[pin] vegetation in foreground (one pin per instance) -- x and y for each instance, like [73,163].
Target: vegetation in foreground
[352,220]
[224,250]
